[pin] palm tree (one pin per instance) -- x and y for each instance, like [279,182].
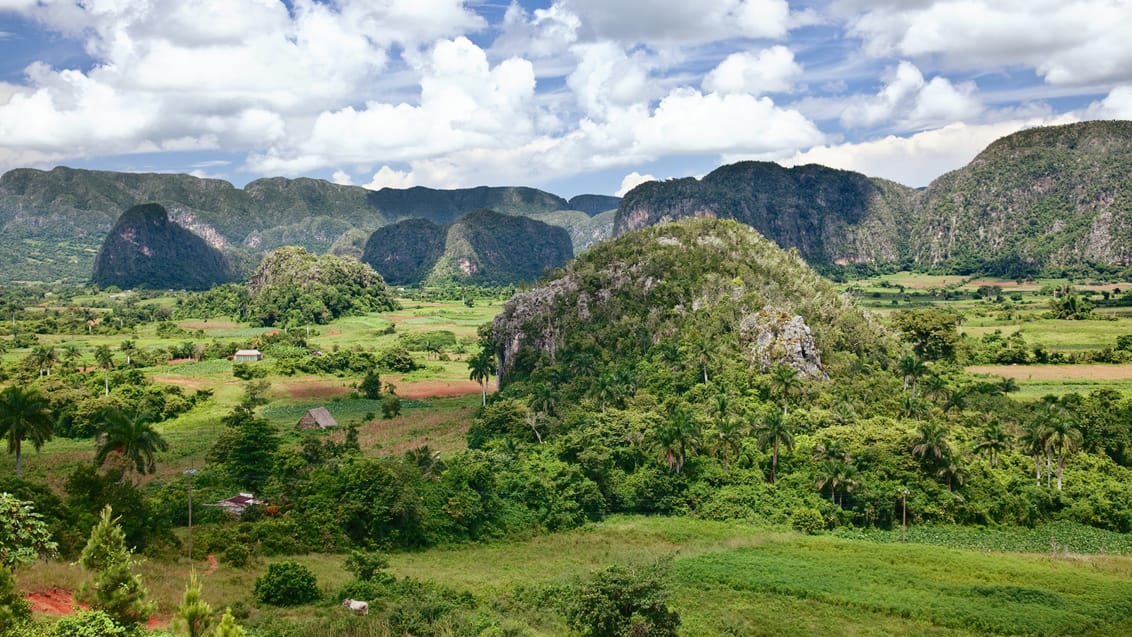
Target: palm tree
[839,476]
[993,440]
[952,472]
[700,349]
[911,368]
[24,416]
[728,430]
[71,355]
[677,436]
[44,357]
[482,366]
[132,437]
[1064,437]
[105,360]
[931,443]
[128,348]
[934,386]
[1035,441]
[544,399]
[784,382]
[772,431]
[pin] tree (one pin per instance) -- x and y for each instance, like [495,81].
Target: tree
[912,368]
[784,383]
[481,367]
[933,334]
[1063,437]
[992,440]
[838,475]
[675,436]
[1035,441]
[194,611]
[622,602]
[371,385]
[952,472]
[931,443]
[728,433]
[43,356]
[24,536]
[771,431]
[14,608]
[24,416]
[128,348]
[132,437]
[105,359]
[228,626]
[286,584]
[113,587]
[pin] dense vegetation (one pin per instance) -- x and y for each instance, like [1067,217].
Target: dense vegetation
[481,247]
[145,250]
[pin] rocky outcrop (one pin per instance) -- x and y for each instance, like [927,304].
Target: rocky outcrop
[146,249]
[774,336]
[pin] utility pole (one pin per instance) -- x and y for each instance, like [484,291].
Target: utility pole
[903,515]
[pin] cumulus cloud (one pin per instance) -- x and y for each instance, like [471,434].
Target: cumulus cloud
[912,102]
[606,77]
[918,159]
[390,178]
[658,21]
[771,70]
[1117,105]
[1068,42]
[631,181]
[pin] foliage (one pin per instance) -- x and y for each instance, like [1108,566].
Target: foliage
[112,586]
[391,406]
[194,612]
[621,602]
[24,416]
[132,437]
[286,584]
[366,565]
[933,334]
[89,623]
[24,537]
[370,385]
[227,626]
[808,521]
[14,608]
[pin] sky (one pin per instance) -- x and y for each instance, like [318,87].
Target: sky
[572,96]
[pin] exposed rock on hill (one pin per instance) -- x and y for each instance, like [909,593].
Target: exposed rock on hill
[481,247]
[708,285]
[146,249]
[1044,199]
[593,204]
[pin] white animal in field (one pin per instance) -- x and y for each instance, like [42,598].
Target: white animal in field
[359,607]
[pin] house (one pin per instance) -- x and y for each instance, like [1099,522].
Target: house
[317,418]
[237,503]
[247,355]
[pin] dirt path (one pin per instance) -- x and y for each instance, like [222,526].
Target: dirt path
[1056,372]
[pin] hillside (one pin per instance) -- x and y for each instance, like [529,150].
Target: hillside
[53,222]
[709,281]
[830,216]
[1044,199]
[145,249]
[482,246]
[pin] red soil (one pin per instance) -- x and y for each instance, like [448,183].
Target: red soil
[55,601]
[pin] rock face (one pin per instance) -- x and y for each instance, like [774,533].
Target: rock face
[482,247]
[146,249]
[707,285]
[593,204]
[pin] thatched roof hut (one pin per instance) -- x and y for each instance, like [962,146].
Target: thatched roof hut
[317,418]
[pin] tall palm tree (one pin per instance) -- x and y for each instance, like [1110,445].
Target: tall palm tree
[728,430]
[132,437]
[839,476]
[677,437]
[773,431]
[993,440]
[1064,438]
[105,359]
[700,349]
[71,355]
[24,416]
[128,348]
[482,366]
[931,443]
[1035,441]
[44,357]
[784,383]
[912,368]
[951,471]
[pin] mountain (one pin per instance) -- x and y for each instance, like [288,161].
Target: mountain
[830,216]
[146,249]
[53,222]
[585,230]
[698,289]
[1053,200]
[593,204]
[482,246]
[1041,200]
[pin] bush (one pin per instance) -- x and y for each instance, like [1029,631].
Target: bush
[808,521]
[619,601]
[88,623]
[391,406]
[286,584]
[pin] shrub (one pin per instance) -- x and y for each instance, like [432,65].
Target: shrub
[391,406]
[367,565]
[286,584]
[88,623]
[620,601]
[808,521]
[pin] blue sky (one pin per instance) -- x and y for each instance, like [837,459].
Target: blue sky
[573,96]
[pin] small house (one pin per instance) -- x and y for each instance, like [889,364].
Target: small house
[317,418]
[247,355]
[237,503]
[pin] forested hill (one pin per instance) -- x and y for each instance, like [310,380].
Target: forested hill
[829,215]
[483,246]
[1046,200]
[53,222]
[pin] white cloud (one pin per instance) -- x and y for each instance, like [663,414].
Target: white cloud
[918,159]
[659,21]
[1117,105]
[546,32]
[342,178]
[1068,42]
[607,78]
[771,70]
[912,103]
[631,181]
[390,178]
